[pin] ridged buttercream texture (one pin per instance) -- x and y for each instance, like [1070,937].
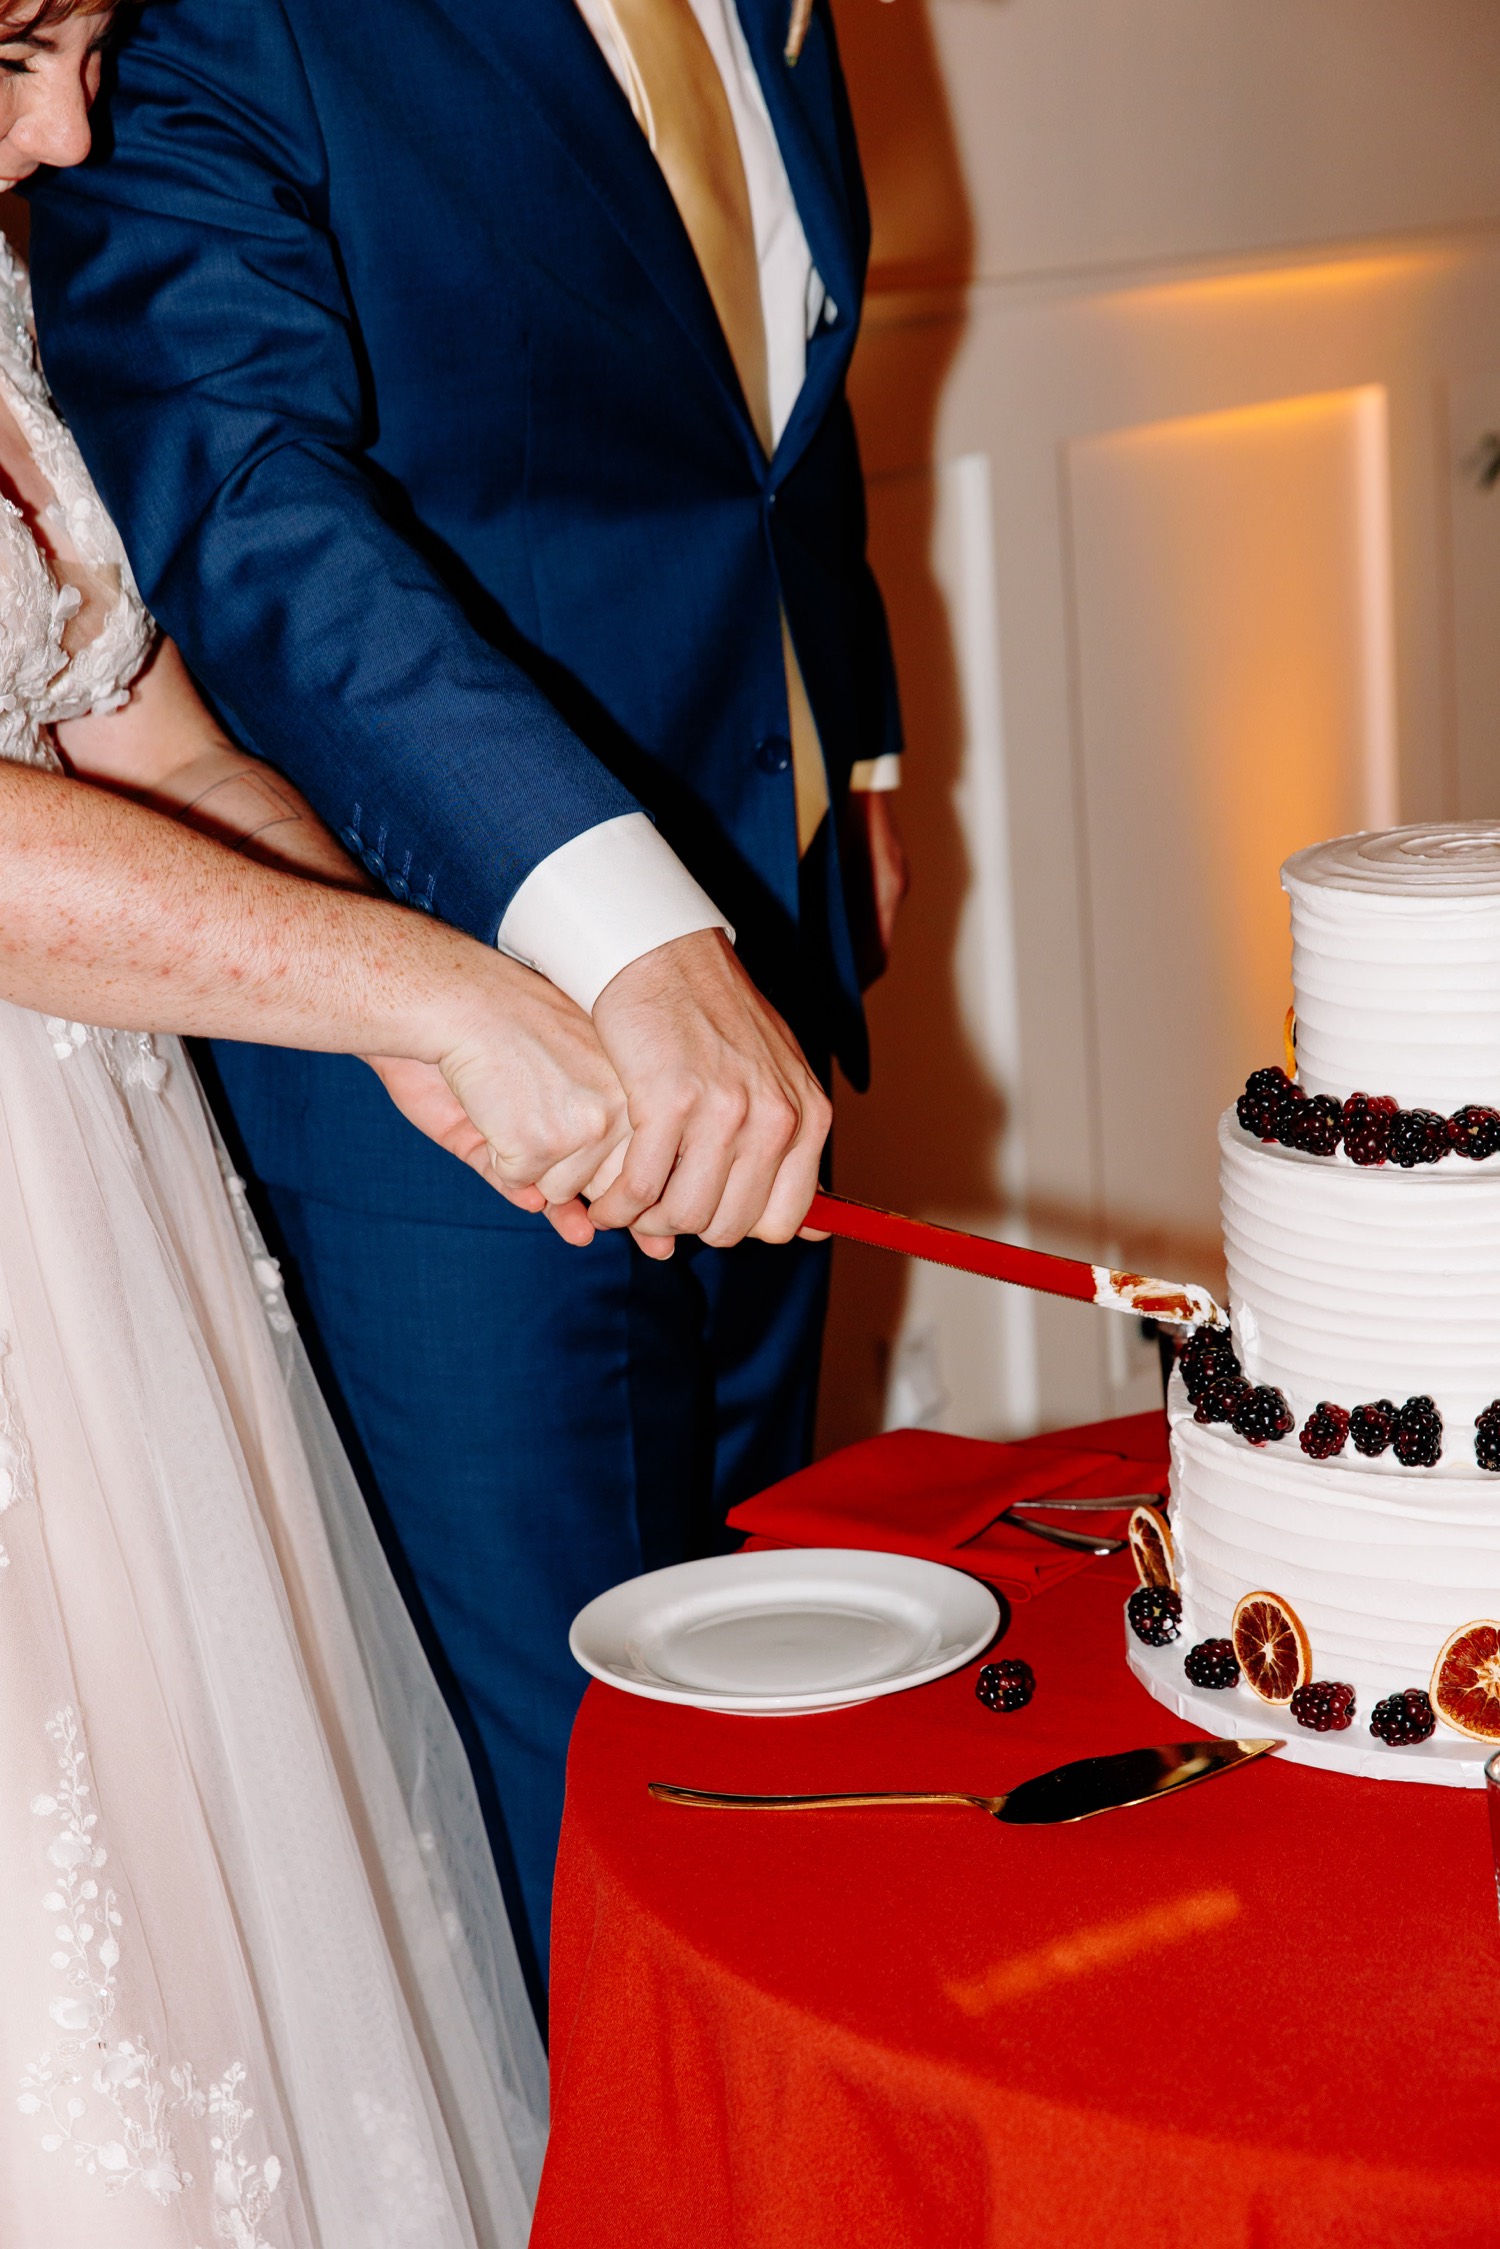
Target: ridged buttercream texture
[1353,1284]
[1396,965]
[1380,1567]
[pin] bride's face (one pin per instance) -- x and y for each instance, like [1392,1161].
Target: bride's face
[49,76]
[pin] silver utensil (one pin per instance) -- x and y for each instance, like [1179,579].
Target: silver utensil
[1068,1792]
[1079,1542]
[1099,1506]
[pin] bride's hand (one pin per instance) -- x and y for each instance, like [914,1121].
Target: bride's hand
[524,1095]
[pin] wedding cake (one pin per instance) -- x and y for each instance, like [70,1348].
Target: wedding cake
[1332,1567]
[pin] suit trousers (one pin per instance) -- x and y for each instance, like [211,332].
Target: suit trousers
[532,1422]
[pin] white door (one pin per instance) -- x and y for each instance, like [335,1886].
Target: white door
[1181,359]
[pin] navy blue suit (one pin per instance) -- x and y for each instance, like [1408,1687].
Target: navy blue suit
[390,353]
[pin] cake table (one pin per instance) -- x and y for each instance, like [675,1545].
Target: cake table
[1262,2015]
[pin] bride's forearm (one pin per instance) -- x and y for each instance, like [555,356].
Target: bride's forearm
[166,889]
[115,914]
[164,748]
[240,801]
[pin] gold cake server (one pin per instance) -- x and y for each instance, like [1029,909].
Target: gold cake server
[1069,1792]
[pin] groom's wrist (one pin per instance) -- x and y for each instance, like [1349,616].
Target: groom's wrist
[600,901]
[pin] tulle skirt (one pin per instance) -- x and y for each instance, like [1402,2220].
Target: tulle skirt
[258,1984]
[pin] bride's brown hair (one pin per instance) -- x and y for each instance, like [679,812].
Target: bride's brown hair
[39,15]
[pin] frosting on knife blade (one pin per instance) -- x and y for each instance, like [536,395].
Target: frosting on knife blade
[1177,1303]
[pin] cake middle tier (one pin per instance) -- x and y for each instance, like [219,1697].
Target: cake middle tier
[1355,1284]
[1380,1567]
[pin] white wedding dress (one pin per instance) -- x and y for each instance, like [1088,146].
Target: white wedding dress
[257,1986]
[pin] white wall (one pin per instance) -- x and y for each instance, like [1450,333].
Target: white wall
[1198,303]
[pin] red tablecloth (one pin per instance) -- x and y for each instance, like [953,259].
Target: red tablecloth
[1262,2015]
[919,1491]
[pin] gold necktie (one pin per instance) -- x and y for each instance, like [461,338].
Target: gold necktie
[680,102]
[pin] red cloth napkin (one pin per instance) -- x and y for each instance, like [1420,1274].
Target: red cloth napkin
[919,1491]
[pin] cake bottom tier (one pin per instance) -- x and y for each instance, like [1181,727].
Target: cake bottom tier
[1449,1760]
[1379,1566]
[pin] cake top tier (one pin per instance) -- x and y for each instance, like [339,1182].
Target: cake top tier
[1458,860]
[1396,964]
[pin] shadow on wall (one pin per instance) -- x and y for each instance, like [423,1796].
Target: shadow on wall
[924,1138]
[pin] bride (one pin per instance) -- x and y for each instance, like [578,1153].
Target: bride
[259,1988]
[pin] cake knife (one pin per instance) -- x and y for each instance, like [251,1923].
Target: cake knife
[1069,1792]
[1174,1303]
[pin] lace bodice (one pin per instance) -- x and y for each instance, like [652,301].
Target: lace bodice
[44,677]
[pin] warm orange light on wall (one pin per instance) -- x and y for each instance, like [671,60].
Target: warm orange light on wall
[1235,702]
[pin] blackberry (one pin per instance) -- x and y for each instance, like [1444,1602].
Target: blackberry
[1316,1126]
[1418,1442]
[1263,1418]
[1324,1706]
[1259,1108]
[1005,1686]
[1155,1614]
[1368,1118]
[1487,1438]
[1223,1399]
[1418,1136]
[1402,1719]
[1206,1357]
[1475,1133]
[1213,1663]
[1325,1431]
[1372,1427]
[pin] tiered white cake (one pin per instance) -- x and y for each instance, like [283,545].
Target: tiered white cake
[1355,1284]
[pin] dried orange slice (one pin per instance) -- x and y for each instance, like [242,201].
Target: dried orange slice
[1272,1646]
[1151,1548]
[1465,1690]
[1289,1041]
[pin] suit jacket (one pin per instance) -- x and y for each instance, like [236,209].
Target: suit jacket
[389,351]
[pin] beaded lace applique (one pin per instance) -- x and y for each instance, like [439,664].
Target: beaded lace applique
[17,1472]
[43,682]
[129,1056]
[104,2099]
[265,1270]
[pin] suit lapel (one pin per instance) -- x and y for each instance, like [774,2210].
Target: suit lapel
[794,95]
[549,55]
[807,148]
[552,60]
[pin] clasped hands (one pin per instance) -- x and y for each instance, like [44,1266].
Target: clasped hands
[683,1106]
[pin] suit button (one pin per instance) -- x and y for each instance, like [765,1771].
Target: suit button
[375,864]
[398,886]
[354,840]
[774,754]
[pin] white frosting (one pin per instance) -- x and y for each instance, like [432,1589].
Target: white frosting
[1354,1284]
[1380,1568]
[1448,1760]
[1396,965]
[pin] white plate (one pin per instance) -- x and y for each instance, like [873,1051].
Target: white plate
[772,1634]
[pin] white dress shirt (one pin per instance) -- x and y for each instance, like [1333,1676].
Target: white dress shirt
[617,891]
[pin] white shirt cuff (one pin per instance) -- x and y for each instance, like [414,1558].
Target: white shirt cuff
[872,775]
[599,902]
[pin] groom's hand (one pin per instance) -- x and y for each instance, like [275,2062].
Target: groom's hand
[727,1120]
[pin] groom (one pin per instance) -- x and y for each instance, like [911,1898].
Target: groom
[467,377]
